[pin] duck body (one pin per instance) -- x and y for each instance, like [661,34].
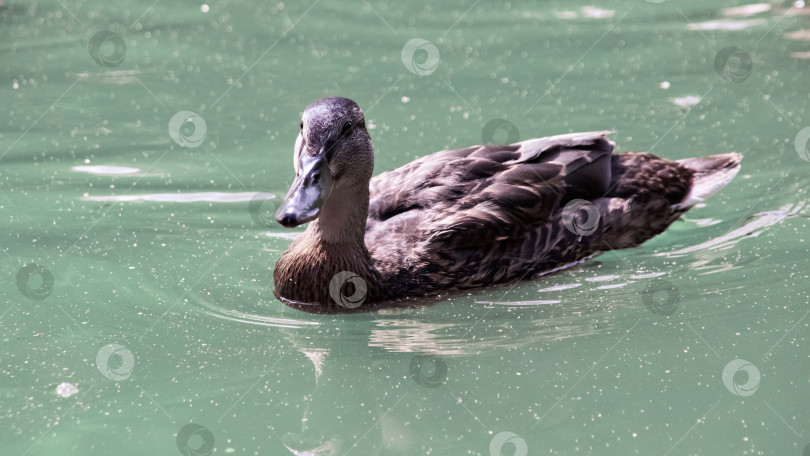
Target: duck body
[474,217]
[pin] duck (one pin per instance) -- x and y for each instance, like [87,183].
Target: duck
[462,219]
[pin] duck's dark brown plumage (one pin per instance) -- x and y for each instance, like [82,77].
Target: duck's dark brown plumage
[483,215]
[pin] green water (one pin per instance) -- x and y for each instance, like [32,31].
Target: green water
[151,244]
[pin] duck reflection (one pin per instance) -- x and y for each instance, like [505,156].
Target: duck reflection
[381,378]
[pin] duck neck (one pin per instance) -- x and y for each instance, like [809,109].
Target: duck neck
[342,221]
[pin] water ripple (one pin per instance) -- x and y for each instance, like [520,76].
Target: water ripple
[755,226]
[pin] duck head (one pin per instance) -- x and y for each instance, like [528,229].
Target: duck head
[333,153]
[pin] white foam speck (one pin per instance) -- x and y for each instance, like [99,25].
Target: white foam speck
[597,13]
[685,102]
[560,287]
[520,303]
[615,285]
[747,10]
[105,170]
[727,25]
[291,236]
[66,389]
[648,275]
[604,278]
[213,197]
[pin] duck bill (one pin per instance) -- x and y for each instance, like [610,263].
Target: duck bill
[308,193]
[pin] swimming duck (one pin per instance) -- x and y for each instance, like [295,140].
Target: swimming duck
[467,218]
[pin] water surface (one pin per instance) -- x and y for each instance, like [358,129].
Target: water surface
[139,279]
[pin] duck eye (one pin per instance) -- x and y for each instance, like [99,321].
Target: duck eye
[347,127]
[302,124]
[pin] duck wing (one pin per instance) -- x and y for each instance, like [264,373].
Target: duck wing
[461,201]
[476,194]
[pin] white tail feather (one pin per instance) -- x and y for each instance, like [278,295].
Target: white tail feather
[711,174]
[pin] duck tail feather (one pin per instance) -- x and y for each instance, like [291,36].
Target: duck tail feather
[711,174]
